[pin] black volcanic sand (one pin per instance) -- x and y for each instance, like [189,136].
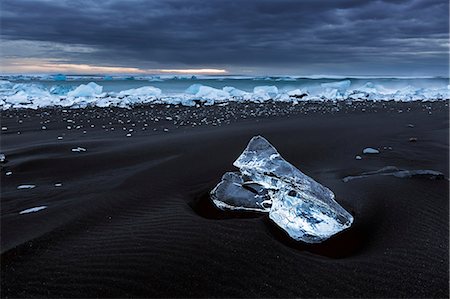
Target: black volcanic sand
[132,217]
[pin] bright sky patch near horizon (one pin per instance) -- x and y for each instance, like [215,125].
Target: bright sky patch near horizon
[285,37]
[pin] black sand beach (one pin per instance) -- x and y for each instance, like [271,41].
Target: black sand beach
[132,217]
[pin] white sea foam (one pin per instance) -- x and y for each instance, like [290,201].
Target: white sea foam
[35,94]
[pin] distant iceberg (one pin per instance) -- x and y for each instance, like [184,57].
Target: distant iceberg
[59,77]
[299,205]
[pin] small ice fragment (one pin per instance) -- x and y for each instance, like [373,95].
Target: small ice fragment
[32,210]
[78,149]
[4,128]
[413,139]
[20,187]
[128,135]
[358,157]
[58,184]
[44,128]
[60,137]
[399,173]
[369,150]
[2,158]
[8,173]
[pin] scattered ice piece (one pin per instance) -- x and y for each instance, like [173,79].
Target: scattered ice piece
[232,193]
[60,137]
[369,150]
[305,209]
[2,158]
[78,149]
[413,139]
[358,157]
[8,173]
[20,187]
[44,128]
[399,173]
[411,126]
[32,210]
[270,90]
[89,90]
[340,86]
[58,184]
[4,128]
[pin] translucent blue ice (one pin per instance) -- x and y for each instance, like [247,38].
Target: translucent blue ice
[302,207]
[232,193]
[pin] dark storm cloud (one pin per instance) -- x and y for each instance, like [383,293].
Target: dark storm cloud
[294,36]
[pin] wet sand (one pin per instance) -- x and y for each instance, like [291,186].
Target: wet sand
[132,217]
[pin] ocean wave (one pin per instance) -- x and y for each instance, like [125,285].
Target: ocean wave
[34,96]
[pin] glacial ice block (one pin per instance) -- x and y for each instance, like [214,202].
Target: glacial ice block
[232,193]
[302,207]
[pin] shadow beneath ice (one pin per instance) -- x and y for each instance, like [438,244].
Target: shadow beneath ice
[347,243]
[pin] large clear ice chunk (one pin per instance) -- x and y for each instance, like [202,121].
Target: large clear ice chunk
[302,207]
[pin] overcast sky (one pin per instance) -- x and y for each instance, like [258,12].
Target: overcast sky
[298,37]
